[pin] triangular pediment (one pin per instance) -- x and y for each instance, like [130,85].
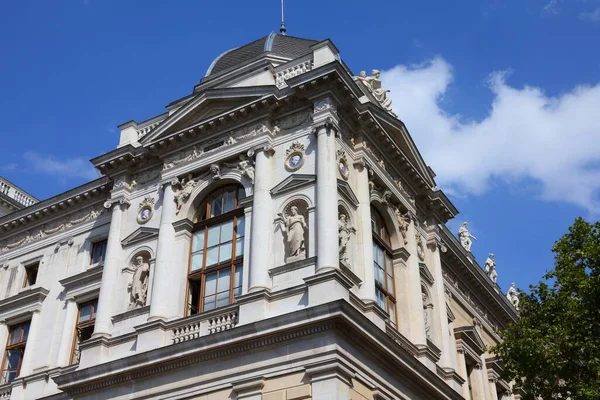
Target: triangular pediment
[346,191]
[293,182]
[471,338]
[425,274]
[141,234]
[204,106]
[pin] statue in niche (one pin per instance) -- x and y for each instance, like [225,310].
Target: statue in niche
[295,230]
[427,309]
[403,223]
[139,283]
[465,237]
[187,187]
[513,295]
[490,268]
[344,232]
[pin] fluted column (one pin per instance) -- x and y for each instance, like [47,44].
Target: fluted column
[68,333]
[163,304]
[327,199]
[110,271]
[414,298]
[262,222]
[364,235]
[31,347]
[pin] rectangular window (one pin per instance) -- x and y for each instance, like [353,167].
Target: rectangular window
[15,350]
[31,273]
[86,317]
[98,251]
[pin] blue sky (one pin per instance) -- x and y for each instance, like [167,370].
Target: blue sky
[501,96]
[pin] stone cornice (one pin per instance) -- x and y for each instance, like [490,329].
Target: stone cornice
[83,283]
[339,318]
[27,301]
[59,204]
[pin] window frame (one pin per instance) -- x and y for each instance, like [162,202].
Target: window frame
[20,345]
[80,325]
[104,243]
[233,263]
[385,245]
[35,266]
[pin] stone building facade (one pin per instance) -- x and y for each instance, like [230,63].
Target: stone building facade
[274,235]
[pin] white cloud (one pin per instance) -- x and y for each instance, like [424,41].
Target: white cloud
[8,167]
[526,135]
[551,7]
[68,168]
[593,15]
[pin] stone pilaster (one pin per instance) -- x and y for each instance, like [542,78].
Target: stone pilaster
[163,301]
[262,222]
[68,333]
[31,349]
[414,300]
[106,298]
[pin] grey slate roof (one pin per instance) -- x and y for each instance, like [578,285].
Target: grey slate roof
[289,47]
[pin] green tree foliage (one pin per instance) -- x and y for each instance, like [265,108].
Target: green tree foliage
[553,350]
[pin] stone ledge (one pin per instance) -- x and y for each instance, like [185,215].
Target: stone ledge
[130,314]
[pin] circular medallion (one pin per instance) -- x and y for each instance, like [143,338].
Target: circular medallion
[145,214]
[421,251]
[294,161]
[343,168]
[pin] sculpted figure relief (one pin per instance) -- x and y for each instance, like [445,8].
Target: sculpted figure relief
[427,309]
[513,295]
[295,229]
[373,85]
[187,187]
[403,223]
[465,237]
[139,283]
[245,166]
[344,232]
[490,268]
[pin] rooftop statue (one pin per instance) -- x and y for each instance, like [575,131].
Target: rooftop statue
[490,268]
[513,295]
[465,237]
[373,85]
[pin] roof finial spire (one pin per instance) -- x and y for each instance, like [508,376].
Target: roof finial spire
[282,28]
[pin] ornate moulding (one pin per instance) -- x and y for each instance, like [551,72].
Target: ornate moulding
[294,156]
[145,210]
[60,225]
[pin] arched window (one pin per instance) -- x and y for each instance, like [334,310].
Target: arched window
[217,253]
[382,262]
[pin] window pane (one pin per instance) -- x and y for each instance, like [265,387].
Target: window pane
[13,357]
[388,263]
[198,242]
[226,249]
[217,206]
[197,261]
[223,299]
[85,313]
[239,247]
[390,284]
[212,256]
[213,236]
[15,335]
[25,332]
[380,298]
[379,275]
[226,231]
[392,312]
[224,280]
[229,202]
[237,281]
[211,284]
[209,302]
[241,226]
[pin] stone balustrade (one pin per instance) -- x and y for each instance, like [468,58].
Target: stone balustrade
[14,193]
[207,323]
[5,392]
[143,131]
[290,72]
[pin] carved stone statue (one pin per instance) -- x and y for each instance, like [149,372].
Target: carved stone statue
[373,85]
[295,228]
[245,166]
[139,283]
[403,223]
[344,232]
[362,78]
[465,237]
[513,295]
[187,187]
[427,310]
[490,268]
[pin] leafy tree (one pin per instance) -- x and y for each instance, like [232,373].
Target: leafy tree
[553,350]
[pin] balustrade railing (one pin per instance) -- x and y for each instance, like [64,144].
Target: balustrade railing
[204,324]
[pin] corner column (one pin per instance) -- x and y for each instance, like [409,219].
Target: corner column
[364,235]
[110,271]
[262,222]
[162,303]
[327,199]
[66,341]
